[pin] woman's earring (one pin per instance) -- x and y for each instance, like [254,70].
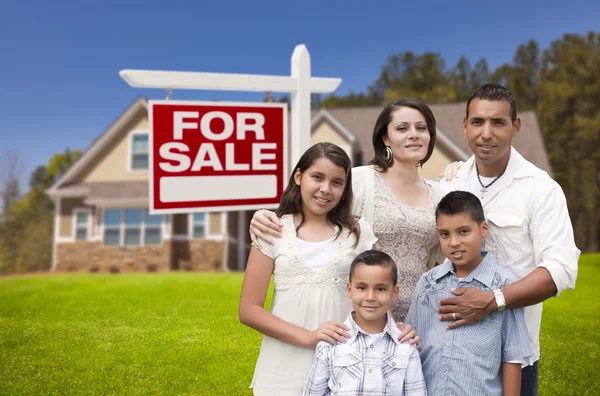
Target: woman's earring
[389,156]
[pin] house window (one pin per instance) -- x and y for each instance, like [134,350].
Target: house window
[131,227]
[82,224]
[112,227]
[152,228]
[139,151]
[198,225]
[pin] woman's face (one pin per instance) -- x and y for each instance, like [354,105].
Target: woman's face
[407,135]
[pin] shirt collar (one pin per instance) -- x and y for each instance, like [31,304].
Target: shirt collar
[484,272]
[517,167]
[390,328]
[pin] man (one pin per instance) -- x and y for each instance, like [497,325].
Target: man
[530,228]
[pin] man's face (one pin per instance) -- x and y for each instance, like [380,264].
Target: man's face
[489,130]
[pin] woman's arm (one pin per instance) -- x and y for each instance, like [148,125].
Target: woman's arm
[265,223]
[511,379]
[253,314]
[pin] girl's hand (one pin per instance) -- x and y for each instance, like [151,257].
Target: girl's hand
[408,333]
[263,223]
[331,332]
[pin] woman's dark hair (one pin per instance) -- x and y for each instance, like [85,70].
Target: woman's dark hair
[381,128]
[341,215]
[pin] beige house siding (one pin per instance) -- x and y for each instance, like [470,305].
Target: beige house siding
[214,224]
[113,163]
[326,133]
[436,164]
[67,205]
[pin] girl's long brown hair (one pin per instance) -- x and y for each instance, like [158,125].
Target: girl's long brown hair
[341,215]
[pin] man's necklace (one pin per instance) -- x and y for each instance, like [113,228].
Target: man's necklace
[484,187]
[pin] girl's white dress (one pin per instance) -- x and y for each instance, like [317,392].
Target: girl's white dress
[306,298]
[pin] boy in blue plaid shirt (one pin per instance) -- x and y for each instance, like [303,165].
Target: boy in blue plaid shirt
[483,358]
[372,361]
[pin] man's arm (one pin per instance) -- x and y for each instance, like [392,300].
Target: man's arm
[511,379]
[554,251]
[317,383]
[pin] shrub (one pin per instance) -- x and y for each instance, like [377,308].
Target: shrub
[114,269]
[94,268]
[151,267]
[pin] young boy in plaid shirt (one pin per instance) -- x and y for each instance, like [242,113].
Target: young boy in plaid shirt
[372,361]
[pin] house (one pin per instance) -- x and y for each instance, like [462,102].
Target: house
[102,220]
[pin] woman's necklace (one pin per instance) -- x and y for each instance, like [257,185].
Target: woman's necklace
[484,187]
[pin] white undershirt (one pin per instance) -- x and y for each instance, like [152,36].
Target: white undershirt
[316,254]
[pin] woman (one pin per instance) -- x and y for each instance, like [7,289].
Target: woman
[391,196]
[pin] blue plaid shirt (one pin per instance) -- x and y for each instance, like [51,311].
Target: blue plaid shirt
[467,360]
[376,365]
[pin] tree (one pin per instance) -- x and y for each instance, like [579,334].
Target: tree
[522,77]
[569,113]
[460,79]
[27,230]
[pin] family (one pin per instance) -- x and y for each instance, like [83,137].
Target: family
[389,284]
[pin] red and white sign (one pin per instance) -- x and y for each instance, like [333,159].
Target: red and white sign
[215,156]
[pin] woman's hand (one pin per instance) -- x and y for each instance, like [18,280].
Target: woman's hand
[263,223]
[331,332]
[408,333]
[451,170]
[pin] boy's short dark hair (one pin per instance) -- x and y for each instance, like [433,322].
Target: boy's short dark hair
[491,92]
[375,257]
[458,202]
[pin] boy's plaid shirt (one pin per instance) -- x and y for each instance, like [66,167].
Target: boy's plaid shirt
[366,365]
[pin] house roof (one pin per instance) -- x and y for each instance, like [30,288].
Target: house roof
[105,138]
[449,117]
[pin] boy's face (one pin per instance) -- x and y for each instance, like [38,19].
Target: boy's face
[372,291]
[460,239]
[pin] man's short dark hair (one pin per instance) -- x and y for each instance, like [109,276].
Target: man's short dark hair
[375,257]
[494,92]
[458,202]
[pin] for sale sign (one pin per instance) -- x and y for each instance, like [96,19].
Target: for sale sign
[215,156]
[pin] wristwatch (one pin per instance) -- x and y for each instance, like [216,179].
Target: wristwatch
[500,301]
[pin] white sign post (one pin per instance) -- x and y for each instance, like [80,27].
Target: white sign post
[300,84]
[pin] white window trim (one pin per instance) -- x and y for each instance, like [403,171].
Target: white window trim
[191,226]
[123,227]
[89,223]
[130,151]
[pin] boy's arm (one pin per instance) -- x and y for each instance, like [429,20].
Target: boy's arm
[414,382]
[511,379]
[317,383]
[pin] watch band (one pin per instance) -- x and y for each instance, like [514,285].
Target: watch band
[500,301]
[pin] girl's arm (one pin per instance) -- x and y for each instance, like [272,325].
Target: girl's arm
[511,379]
[253,314]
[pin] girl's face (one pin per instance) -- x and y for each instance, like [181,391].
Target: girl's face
[321,186]
[407,135]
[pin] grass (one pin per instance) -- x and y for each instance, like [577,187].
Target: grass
[178,333]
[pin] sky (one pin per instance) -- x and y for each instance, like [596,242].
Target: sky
[60,61]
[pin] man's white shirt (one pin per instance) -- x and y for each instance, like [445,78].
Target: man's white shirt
[529,227]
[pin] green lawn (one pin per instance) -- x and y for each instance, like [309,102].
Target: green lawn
[178,333]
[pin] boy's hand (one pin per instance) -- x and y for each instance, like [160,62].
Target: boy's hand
[471,306]
[408,333]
